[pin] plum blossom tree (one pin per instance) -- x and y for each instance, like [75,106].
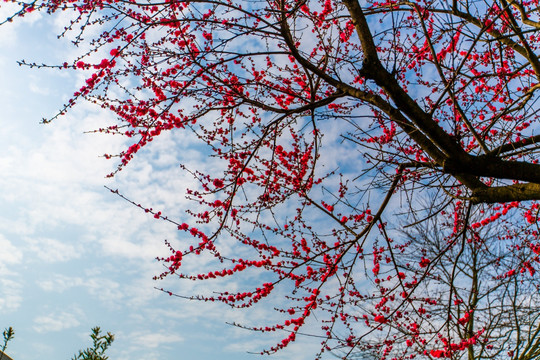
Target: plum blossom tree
[378,159]
[100,344]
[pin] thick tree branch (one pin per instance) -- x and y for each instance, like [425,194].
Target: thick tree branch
[515,145]
[373,69]
[425,131]
[516,192]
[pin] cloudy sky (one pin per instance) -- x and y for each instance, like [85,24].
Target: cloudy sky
[73,255]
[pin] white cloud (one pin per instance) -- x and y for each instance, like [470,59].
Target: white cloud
[10,295]
[54,180]
[37,89]
[105,290]
[60,283]
[58,321]
[9,253]
[8,35]
[52,250]
[153,340]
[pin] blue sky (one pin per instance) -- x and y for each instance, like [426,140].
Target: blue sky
[73,255]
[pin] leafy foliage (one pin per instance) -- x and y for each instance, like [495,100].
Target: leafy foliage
[100,344]
[8,334]
[97,352]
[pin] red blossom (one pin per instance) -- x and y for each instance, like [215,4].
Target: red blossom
[218,183]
